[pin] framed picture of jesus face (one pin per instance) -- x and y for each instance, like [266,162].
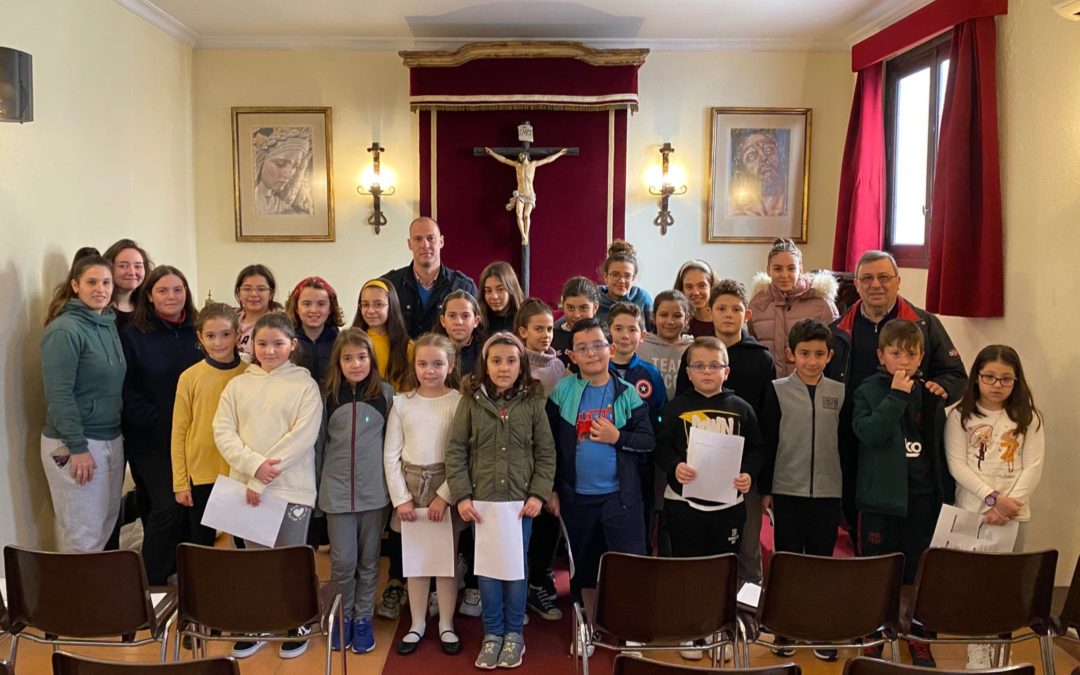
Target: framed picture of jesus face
[283,174]
[760,174]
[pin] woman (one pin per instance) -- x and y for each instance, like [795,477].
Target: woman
[783,295]
[82,365]
[696,279]
[159,344]
[130,265]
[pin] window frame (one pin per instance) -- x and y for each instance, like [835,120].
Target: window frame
[929,54]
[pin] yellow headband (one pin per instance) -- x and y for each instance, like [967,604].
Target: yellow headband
[378,283]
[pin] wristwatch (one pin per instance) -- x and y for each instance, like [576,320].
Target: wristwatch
[991,499]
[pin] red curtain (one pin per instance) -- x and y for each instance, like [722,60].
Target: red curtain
[861,206]
[966,275]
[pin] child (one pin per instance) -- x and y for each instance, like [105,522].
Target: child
[994,445]
[903,477]
[459,320]
[580,300]
[500,449]
[196,462]
[665,348]
[534,323]
[254,291]
[314,310]
[603,438]
[696,279]
[413,458]
[352,489]
[620,270]
[378,312]
[500,297]
[265,426]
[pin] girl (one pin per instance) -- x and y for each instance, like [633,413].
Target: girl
[782,296]
[534,324]
[130,265]
[265,427]
[378,312]
[500,297]
[459,319]
[196,462]
[994,443]
[314,310]
[352,491]
[696,279]
[83,367]
[159,344]
[620,270]
[254,291]
[580,300]
[500,449]
[664,348]
[414,458]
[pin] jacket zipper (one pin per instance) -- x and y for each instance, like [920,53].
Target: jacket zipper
[813,438]
[352,458]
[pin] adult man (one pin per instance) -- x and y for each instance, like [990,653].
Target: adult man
[422,285]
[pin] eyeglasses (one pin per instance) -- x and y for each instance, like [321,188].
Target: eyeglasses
[248,290]
[882,279]
[990,380]
[714,367]
[377,306]
[620,276]
[594,347]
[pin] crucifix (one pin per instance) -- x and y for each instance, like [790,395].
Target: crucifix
[523,199]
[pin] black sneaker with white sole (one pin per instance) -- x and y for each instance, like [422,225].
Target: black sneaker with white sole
[245,648]
[290,650]
[825,654]
[540,602]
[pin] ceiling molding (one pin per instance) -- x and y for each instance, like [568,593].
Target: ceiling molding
[162,20]
[522,49]
[887,19]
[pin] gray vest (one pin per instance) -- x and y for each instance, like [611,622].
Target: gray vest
[808,456]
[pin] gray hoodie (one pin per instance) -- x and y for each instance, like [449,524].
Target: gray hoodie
[665,356]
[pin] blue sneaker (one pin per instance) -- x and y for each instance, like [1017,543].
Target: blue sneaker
[335,643]
[363,636]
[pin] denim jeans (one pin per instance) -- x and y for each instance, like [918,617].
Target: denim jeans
[503,602]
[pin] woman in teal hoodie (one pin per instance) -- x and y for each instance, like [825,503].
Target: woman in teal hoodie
[83,367]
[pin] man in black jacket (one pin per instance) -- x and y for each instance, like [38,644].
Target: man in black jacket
[422,285]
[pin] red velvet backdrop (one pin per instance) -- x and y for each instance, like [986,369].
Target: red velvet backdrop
[569,224]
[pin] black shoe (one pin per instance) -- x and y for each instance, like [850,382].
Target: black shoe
[540,602]
[921,654]
[290,650]
[780,647]
[245,648]
[825,654]
[450,647]
[405,647]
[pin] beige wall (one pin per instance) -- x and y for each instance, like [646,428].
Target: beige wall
[108,156]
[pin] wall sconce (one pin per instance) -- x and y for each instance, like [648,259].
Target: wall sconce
[374,183]
[663,185]
[16,86]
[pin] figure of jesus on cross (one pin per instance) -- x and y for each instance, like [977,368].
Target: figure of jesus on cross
[523,200]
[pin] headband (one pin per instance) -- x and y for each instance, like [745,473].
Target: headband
[502,337]
[314,282]
[377,283]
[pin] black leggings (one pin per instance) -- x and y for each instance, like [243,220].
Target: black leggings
[699,533]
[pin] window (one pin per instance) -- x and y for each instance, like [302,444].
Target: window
[914,99]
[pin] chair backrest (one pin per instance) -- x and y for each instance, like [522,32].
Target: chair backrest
[664,599]
[247,590]
[633,665]
[970,593]
[79,595]
[867,666]
[831,599]
[1070,613]
[70,664]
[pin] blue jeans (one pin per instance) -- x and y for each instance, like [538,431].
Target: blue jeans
[503,602]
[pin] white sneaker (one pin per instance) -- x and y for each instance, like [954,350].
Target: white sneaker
[634,652]
[691,654]
[978,656]
[575,648]
[470,603]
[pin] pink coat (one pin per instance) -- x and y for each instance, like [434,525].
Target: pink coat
[774,313]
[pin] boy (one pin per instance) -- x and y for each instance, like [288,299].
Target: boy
[603,438]
[903,479]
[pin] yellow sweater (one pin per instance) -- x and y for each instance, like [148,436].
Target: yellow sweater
[195,456]
[381,342]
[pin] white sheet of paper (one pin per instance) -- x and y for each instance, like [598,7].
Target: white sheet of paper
[228,511]
[499,549]
[717,458]
[965,531]
[749,595]
[427,547]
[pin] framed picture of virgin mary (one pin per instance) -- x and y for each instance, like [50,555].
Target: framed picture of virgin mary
[283,174]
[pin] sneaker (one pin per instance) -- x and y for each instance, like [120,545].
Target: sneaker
[695,653]
[873,652]
[245,648]
[490,650]
[575,648]
[549,586]
[335,642]
[393,597]
[363,637]
[633,652]
[978,656]
[921,654]
[470,603]
[780,647]
[539,602]
[513,647]
[825,654]
[290,650]
[432,604]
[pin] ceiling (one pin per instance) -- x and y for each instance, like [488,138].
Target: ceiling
[396,24]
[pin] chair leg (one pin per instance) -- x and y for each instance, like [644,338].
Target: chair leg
[341,637]
[1046,651]
[894,650]
[176,645]
[12,651]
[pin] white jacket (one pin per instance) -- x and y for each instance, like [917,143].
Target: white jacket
[271,415]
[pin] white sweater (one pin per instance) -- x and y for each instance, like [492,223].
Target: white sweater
[271,415]
[1010,465]
[416,432]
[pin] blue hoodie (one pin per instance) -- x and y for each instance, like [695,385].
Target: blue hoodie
[637,295]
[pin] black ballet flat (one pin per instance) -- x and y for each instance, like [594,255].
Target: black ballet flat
[450,647]
[405,648]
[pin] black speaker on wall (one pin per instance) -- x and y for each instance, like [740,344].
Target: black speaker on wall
[16,86]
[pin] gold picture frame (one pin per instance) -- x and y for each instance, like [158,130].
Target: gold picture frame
[759,174]
[283,170]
